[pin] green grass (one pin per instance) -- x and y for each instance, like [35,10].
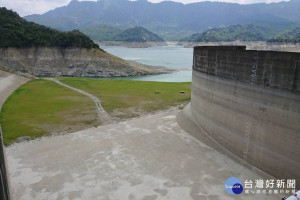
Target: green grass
[42,107]
[128,98]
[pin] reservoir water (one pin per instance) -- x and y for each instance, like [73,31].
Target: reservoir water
[171,56]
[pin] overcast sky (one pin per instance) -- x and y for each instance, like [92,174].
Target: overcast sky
[27,7]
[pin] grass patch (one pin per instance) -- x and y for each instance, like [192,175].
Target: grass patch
[128,98]
[41,107]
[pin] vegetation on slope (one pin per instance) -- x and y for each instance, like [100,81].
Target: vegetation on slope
[137,34]
[102,32]
[249,32]
[42,107]
[286,39]
[174,35]
[17,32]
[107,33]
[292,36]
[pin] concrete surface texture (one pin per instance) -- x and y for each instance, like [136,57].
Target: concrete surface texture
[264,68]
[144,159]
[8,83]
[249,104]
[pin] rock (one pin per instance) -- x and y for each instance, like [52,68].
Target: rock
[75,62]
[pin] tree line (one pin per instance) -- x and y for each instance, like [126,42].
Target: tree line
[17,32]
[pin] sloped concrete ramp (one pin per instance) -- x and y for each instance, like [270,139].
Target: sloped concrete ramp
[141,159]
[9,83]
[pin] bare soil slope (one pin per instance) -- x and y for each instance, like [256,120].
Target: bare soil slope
[75,62]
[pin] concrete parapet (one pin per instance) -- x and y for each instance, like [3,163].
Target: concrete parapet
[253,114]
[266,68]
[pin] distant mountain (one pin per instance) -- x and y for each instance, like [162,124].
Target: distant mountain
[286,39]
[291,36]
[17,32]
[137,34]
[293,31]
[248,32]
[102,32]
[167,18]
[132,37]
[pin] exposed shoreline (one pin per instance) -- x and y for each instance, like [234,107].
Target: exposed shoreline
[72,62]
[153,70]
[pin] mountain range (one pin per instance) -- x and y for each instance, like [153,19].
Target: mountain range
[167,18]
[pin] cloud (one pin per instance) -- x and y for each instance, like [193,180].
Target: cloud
[229,1]
[28,7]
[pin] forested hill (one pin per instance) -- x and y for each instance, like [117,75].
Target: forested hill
[286,39]
[102,32]
[17,32]
[106,33]
[248,32]
[292,36]
[138,34]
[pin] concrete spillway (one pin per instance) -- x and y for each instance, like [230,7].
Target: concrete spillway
[247,104]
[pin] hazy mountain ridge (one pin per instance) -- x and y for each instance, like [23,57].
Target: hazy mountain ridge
[167,16]
[247,32]
[103,32]
[137,34]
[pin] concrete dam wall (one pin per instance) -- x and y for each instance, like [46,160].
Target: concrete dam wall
[247,103]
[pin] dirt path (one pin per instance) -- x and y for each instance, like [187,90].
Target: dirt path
[103,115]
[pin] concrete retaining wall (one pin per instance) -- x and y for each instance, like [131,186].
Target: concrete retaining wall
[248,102]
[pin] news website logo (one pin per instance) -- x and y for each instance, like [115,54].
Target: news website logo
[287,187]
[233,186]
